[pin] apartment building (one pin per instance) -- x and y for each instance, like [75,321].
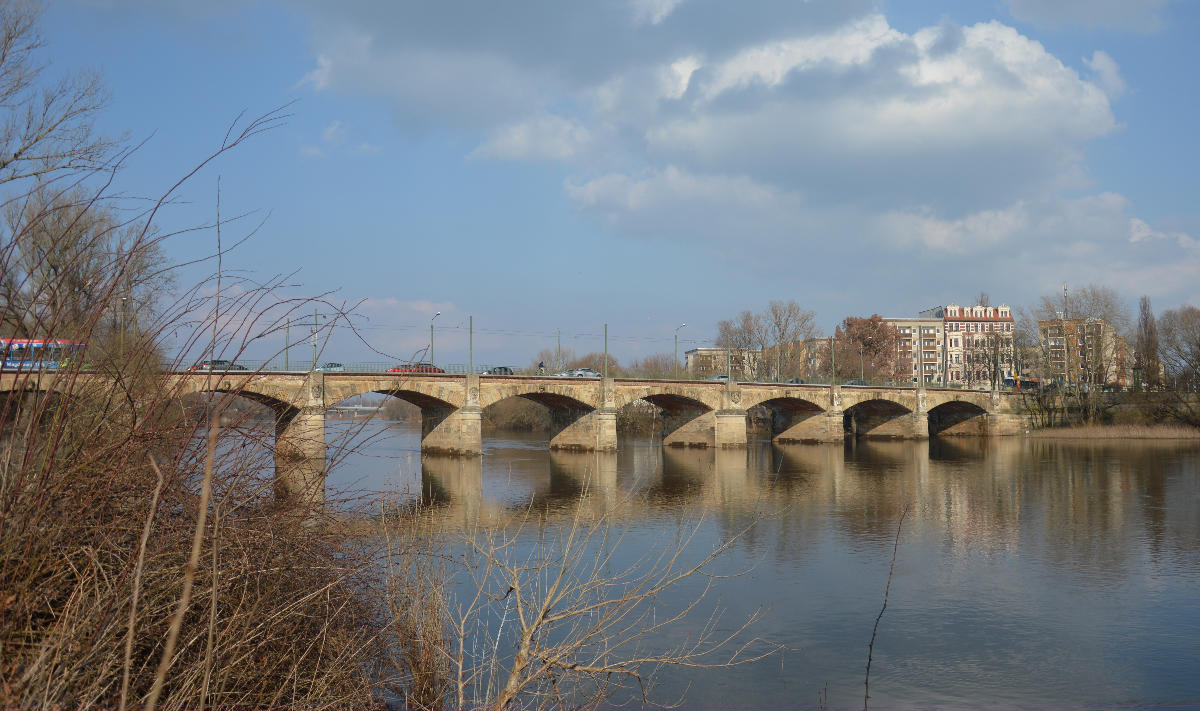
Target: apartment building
[1078,350]
[921,343]
[977,343]
[705,362]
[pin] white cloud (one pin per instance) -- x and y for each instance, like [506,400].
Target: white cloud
[1140,231]
[1107,73]
[1136,15]
[769,140]
[543,137]
[334,134]
[652,12]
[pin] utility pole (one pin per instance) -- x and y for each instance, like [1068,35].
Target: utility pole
[314,339]
[439,313]
[470,344]
[287,342]
[606,351]
[677,349]
[558,364]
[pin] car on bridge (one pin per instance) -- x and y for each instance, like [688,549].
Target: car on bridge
[332,367]
[214,366]
[578,373]
[416,368]
[855,382]
[721,378]
[498,370]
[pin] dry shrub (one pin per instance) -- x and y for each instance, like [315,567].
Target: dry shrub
[140,567]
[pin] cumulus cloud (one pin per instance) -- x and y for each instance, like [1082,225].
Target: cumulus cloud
[1108,74]
[543,137]
[1136,15]
[770,133]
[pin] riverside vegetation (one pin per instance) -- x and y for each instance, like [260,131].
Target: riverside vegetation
[146,559]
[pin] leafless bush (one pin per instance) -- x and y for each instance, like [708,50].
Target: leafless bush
[537,615]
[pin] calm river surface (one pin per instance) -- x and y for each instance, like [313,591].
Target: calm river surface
[1029,573]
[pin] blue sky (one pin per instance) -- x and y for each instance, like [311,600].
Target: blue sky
[548,166]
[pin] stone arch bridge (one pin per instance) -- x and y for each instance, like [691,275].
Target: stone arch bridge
[584,411]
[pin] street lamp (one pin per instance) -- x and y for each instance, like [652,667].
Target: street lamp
[439,313]
[677,349]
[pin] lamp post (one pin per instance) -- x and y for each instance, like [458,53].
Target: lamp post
[677,349]
[439,313]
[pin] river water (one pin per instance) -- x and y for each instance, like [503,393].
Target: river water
[1028,573]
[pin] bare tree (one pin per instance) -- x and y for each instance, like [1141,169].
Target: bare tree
[1146,347]
[47,128]
[1179,334]
[786,327]
[553,621]
[71,260]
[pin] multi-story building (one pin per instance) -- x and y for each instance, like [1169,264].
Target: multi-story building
[705,362]
[921,343]
[977,343]
[1084,350]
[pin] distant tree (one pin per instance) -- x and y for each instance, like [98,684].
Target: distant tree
[595,361]
[1146,346]
[778,334]
[555,359]
[659,365]
[866,346]
[71,261]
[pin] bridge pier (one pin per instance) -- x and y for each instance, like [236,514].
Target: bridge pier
[824,426]
[694,431]
[1003,424]
[300,447]
[452,432]
[730,429]
[594,430]
[912,425]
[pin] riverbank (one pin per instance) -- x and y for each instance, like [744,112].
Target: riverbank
[1119,432]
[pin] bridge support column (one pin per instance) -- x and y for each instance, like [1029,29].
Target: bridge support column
[697,431]
[730,429]
[913,425]
[454,432]
[593,431]
[300,447]
[1001,424]
[824,426]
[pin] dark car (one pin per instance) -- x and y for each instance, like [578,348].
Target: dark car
[416,368]
[856,381]
[795,381]
[498,370]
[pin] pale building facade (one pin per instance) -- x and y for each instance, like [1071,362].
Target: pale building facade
[706,362]
[1076,350]
[977,343]
[921,344]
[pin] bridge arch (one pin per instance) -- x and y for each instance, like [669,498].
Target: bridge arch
[794,419]
[883,418]
[958,417]
[572,421]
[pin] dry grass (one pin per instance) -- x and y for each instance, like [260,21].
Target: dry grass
[1119,432]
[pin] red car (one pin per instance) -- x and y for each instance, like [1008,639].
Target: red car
[416,368]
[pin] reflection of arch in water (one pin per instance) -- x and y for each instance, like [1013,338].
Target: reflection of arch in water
[958,418]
